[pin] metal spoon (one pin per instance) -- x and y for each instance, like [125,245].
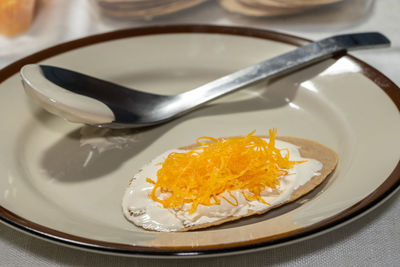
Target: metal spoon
[81,98]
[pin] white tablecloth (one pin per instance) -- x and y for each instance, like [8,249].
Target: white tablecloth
[372,240]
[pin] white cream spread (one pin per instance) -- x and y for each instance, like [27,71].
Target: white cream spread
[143,211]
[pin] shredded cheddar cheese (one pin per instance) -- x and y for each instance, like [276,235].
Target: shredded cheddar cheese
[200,176]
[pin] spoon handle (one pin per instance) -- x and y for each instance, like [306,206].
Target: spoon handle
[282,64]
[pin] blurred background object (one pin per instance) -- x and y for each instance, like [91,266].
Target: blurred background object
[265,8]
[147,9]
[15,16]
[144,8]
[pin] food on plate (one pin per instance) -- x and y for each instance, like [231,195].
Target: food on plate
[220,180]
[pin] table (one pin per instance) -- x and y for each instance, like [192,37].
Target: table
[372,240]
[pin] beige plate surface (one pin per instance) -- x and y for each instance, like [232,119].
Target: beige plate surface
[57,187]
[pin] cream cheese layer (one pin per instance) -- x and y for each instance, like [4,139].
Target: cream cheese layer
[144,212]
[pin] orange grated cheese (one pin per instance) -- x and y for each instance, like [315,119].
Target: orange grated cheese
[200,176]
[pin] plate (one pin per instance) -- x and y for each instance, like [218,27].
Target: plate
[64,182]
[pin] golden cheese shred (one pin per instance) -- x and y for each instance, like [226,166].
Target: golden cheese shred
[200,176]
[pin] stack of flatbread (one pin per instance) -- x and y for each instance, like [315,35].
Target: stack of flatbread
[260,8]
[144,8]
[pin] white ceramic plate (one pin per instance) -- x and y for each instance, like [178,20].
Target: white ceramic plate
[57,186]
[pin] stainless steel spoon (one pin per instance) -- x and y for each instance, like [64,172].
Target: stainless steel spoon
[81,98]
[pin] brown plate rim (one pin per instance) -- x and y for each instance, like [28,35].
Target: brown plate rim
[386,189]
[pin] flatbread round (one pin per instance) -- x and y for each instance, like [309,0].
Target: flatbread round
[261,8]
[255,10]
[145,8]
